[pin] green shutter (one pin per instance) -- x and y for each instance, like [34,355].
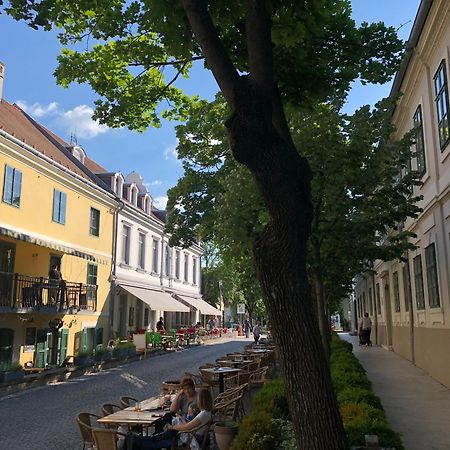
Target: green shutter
[63,339]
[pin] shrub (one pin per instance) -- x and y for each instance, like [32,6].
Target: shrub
[360,413]
[10,366]
[358,395]
[84,353]
[387,438]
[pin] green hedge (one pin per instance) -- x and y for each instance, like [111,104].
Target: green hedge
[268,426]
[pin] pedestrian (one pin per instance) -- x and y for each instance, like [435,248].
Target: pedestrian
[247,328]
[257,332]
[160,325]
[54,280]
[365,328]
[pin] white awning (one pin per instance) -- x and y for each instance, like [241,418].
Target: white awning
[157,300]
[201,305]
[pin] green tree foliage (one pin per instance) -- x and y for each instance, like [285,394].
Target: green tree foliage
[361,192]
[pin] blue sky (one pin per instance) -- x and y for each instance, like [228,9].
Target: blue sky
[30,59]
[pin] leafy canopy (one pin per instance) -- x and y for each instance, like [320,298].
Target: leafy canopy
[132,52]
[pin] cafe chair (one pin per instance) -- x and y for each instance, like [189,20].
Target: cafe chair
[126,402]
[85,426]
[204,444]
[109,408]
[105,439]
[196,378]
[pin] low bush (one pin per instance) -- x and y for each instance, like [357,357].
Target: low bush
[10,366]
[268,426]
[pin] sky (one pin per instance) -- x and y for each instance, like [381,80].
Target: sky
[30,59]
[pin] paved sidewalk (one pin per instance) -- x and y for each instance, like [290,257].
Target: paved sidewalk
[416,405]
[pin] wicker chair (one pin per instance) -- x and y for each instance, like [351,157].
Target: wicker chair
[196,378]
[85,426]
[258,377]
[105,439]
[109,408]
[125,402]
[204,444]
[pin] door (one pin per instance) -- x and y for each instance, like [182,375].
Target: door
[62,345]
[7,255]
[6,344]
[41,348]
[87,340]
[123,315]
[49,349]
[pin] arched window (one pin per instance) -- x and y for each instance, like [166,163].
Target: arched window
[134,194]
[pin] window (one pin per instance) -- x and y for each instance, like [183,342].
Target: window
[141,256]
[94,227]
[167,261]
[370,302]
[126,231]
[186,267]
[396,292]
[12,186]
[377,295]
[155,256]
[440,87]
[420,141]
[146,316]
[177,264]
[194,271]
[432,277]
[134,196]
[91,274]
[59,206]
[418,282]
[407,285]
[131,316]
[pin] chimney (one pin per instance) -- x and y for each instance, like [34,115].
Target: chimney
[2,76]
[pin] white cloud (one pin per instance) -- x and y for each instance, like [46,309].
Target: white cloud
[154,183]
[160,202]
[171,151]
[77,120]
[38,110]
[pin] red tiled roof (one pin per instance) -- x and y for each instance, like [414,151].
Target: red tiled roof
[16,122]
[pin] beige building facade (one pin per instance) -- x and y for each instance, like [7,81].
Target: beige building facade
[409,303]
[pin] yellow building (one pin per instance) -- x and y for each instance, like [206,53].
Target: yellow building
[53,211]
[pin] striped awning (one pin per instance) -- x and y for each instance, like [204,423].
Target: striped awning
[201,305]
[157,300]
[48,244]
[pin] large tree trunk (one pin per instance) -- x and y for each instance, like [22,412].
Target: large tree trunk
[283,177]
[322,316]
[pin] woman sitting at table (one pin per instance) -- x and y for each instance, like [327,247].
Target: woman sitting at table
[186,398]
[200,421]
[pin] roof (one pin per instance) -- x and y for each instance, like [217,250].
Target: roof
[16,122]
[411,44]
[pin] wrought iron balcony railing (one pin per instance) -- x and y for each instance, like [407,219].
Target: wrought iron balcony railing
[19,291]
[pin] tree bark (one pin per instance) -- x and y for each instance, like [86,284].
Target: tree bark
[321,312]
[283,178]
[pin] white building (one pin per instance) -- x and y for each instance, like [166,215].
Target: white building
[150,278]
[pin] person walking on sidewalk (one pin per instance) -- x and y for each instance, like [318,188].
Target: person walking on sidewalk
[365,327]
[257,332]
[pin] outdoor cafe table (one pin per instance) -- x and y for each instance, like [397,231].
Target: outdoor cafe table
[221,371]
[259,350]
[233,362]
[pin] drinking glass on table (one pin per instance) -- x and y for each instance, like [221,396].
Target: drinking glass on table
[137,406]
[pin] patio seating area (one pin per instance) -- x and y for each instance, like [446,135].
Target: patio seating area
[231,381]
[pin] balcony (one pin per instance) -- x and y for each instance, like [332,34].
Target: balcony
[23,293]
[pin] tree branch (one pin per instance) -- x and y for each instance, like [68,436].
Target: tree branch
[216,56]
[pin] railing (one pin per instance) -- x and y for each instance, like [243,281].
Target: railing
[23,291]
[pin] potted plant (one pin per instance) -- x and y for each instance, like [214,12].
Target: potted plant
[11,372]
[124,349]
[224,433]
[83,358]
[101,354]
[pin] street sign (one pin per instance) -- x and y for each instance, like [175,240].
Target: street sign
[241,308]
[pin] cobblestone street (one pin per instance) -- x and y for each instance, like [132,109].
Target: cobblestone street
[43,418]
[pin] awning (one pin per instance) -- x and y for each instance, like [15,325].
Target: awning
[36,240]
[201,305]
[157,300]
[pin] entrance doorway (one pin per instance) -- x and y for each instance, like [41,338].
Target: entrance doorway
[6,345]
